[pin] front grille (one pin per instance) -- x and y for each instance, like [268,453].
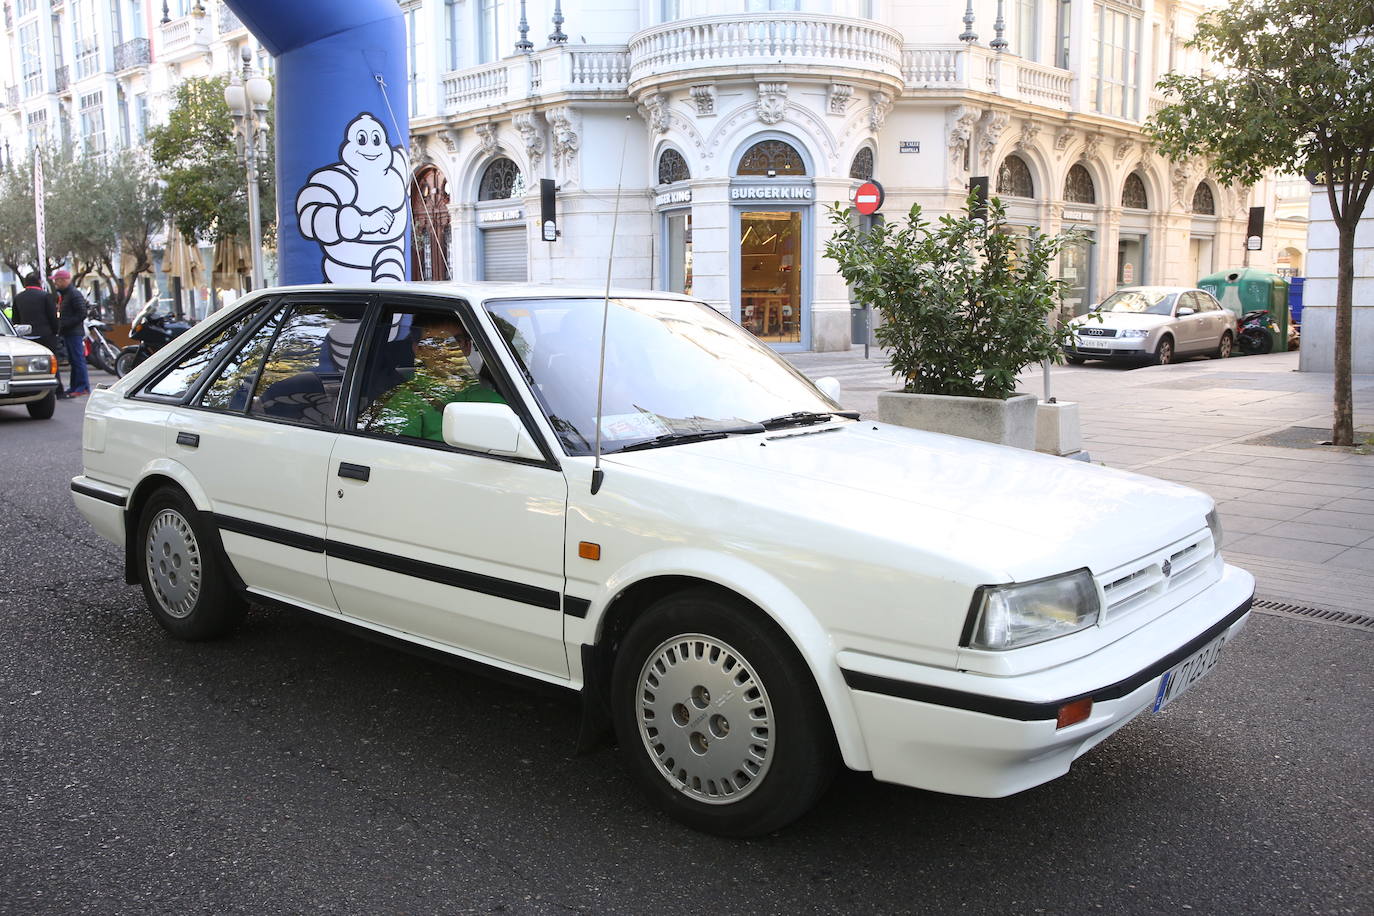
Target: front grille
[6,366]
[1130,587]
[1097,332]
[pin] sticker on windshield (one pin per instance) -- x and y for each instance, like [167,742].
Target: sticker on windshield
[633,426]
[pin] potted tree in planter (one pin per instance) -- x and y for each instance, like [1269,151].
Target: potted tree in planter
[965,307]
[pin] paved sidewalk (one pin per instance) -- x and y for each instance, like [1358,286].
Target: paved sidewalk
[1298,515]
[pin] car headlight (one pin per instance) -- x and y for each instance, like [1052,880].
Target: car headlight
[35,365]
[1214,523]
[1025,613]
[1135,332]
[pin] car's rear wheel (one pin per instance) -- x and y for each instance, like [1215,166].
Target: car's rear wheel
[183,582]
[718,718]
[1076,360]
[1164,352]
[1224,348]
[43,409]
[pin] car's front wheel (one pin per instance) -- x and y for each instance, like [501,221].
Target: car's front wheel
[183,582]
[1164,352]
[1224,348]
[43,409]
[719,719]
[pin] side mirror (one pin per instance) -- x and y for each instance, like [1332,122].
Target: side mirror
[830,387]
[490,428]
[23,330]
[1184,312]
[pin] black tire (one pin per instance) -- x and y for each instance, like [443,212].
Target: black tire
[1225,347]
[1076,360]
[1164,351]
[43,409]
[127,359]
[719,640]
[103,356]
[1251,342]
[179,569]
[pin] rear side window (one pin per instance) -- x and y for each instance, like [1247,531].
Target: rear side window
[231,389]
[185,374]
[304,371]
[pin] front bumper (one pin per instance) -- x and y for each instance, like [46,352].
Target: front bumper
[26,390]
[1112,348]
[990,736]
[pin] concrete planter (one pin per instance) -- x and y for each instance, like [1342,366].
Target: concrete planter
[1006,422]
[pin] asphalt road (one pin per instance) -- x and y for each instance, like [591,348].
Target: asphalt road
[297,769]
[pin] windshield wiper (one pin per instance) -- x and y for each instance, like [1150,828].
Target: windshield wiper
[807,418]
[694,436]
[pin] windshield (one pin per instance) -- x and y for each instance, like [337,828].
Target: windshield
[672,369]
[1140,301]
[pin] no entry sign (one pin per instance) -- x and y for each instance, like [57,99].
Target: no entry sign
[868,197]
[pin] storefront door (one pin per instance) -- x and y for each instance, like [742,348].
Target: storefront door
[1130,261]
[1076,270]
[771,285]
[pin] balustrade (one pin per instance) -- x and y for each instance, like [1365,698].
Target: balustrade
[137,52]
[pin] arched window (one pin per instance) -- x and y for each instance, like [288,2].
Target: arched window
[1133,196]
[1203,201]
[501,181]
[862,168]
[429,202]
[774,156]
[1078,186]
[1014,178]
[672,167]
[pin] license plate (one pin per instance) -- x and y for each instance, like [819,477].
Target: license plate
[1088,343]
[1187,673]
[5,387]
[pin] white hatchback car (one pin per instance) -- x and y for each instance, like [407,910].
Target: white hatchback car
[752,586]
[1154,324]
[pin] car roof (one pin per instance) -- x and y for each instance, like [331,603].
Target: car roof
[1154,289]
[475,291]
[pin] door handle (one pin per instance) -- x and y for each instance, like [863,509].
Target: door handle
[354,471]
[188,439]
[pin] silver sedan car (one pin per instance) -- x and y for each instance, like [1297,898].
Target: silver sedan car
[1154,324]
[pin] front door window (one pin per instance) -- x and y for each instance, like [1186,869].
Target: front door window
[770,274]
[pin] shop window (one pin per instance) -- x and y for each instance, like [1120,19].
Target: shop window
[1014,178]
[770,270]
[672,167]
[1203,202]
[501,181]
[1078,186]
[771,157]
[862,167]
[1133,196]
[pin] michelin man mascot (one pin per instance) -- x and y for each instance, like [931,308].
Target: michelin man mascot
[356,208]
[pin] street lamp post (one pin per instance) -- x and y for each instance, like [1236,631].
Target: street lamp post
[247,99]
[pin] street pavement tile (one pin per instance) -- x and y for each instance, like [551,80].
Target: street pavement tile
[1203,461]
[1326,534]
[1351,504]
[1358,520]
[1304,500]
[1232,526]
[1321,489]
[1356,558]
[1254,508]
[1266,545]
[1223,493]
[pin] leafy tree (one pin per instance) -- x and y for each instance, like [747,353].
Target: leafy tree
[206,190]
[18,236]
[1294,92]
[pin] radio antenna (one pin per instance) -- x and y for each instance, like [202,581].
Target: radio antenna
[599,475]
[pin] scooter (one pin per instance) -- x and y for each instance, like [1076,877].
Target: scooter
[153,328]
[1256,333]
[99,351]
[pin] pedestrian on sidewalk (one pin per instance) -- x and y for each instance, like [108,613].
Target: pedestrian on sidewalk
[72,307]
[35,306]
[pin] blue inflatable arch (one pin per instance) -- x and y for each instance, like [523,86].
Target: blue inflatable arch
[342,136]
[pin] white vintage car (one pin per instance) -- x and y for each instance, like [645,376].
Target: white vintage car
[28,372]
[752,586]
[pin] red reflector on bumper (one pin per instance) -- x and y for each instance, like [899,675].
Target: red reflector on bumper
[1075,712]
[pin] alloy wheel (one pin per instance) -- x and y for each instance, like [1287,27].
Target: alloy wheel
[174,565]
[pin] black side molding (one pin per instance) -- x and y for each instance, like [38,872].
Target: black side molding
[191,439]
[269,533]
[576,607]
[101,495]
[1025,710]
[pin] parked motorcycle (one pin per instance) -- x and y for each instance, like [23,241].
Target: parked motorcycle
[1256,333]
[99,351]
[153,327]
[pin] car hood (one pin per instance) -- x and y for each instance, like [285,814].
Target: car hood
[1122,320]
[18,346]
[1018,513]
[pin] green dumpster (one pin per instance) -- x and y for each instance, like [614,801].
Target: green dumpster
[1247,289]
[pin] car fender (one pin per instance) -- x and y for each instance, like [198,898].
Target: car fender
[764,590]
[178,472]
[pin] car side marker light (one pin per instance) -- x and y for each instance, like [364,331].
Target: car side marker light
[1075,712]
[588,551]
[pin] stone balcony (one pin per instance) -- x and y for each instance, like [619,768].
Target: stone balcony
[799,45]
[561,71]
[133,54]
[186,37]
[960,68]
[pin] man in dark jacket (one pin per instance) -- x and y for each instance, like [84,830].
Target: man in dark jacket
[35,306]
[71,306]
